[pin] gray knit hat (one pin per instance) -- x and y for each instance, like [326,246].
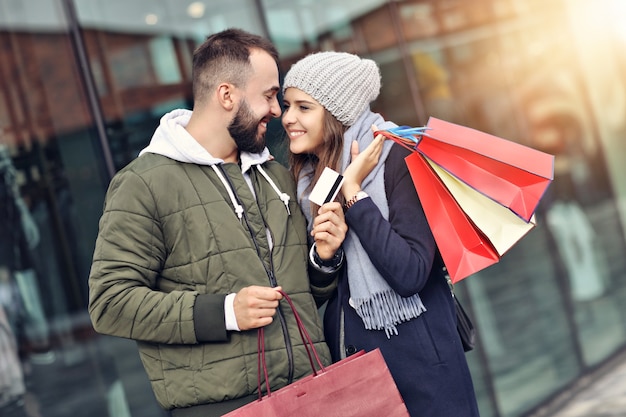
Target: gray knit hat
[343,83]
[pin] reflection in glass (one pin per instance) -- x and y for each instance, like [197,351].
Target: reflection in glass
[298,26]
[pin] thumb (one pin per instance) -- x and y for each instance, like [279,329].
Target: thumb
[354,150]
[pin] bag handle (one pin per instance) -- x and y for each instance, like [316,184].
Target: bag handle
[306,340]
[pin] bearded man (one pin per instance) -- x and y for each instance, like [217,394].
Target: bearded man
[199,234]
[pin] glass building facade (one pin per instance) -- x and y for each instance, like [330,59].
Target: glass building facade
[83,84]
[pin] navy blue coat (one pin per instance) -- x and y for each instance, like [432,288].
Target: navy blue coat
[426,358]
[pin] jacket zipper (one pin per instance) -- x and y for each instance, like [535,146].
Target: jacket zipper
[281,315]
[270,275]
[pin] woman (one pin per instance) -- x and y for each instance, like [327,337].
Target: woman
[392,293]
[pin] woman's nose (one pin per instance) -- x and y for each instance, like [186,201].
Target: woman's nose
[287,117]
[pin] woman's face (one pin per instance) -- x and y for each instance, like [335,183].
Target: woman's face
[303,118]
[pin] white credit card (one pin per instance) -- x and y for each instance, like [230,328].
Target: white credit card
[327,187]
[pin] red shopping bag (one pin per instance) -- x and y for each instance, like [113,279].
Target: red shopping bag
[479,192]
[501,226]
[513,174]
[360,385]
[463,247]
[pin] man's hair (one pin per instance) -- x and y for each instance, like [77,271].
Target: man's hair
[225,57]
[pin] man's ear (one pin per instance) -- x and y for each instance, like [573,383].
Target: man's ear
[226,95]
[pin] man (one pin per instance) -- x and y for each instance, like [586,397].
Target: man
[199,233]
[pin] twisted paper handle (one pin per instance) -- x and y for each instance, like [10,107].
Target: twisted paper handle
[306,340]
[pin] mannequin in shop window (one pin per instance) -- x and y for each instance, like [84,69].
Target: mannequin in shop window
[578,244]
[20,236]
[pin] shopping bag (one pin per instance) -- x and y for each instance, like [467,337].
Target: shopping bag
[359,385]
[512,174]
[479,192]
[463,247]
[498,223]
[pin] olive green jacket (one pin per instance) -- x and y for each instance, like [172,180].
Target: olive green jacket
[171,247]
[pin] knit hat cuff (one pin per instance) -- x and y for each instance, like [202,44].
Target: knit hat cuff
[343,83]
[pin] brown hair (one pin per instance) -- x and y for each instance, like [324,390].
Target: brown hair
[328,156]
[225,57]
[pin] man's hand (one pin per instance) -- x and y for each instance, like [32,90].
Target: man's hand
[255,306]
[329,229]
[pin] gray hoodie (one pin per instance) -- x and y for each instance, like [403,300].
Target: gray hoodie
[172,140]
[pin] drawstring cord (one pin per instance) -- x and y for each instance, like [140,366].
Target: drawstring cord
[238,207]
[283,196]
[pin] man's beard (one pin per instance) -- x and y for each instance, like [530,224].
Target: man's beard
[244,129]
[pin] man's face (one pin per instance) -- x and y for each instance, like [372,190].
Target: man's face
[258,105]
[245,129]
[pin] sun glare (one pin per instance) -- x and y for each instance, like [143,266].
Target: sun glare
[617,11]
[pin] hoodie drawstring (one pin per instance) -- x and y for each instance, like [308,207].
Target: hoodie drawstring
[283,196]
[238,207]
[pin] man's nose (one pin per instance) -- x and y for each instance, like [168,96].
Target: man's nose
[275,109]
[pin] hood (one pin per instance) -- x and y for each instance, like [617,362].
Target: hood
[172,140]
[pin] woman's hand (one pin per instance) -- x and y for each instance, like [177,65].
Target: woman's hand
[362,164]
[329,229]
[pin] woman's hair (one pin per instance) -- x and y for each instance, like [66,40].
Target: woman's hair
[329,154]
[344,85]
[225,57]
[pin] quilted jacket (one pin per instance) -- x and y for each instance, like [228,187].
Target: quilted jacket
[173,242]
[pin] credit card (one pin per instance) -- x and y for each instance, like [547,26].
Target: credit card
[327,187]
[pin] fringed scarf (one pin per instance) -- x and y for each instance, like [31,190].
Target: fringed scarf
[379,306]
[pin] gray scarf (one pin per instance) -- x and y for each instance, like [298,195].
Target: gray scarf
[379,306]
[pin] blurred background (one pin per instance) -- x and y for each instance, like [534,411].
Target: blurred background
[83,84]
